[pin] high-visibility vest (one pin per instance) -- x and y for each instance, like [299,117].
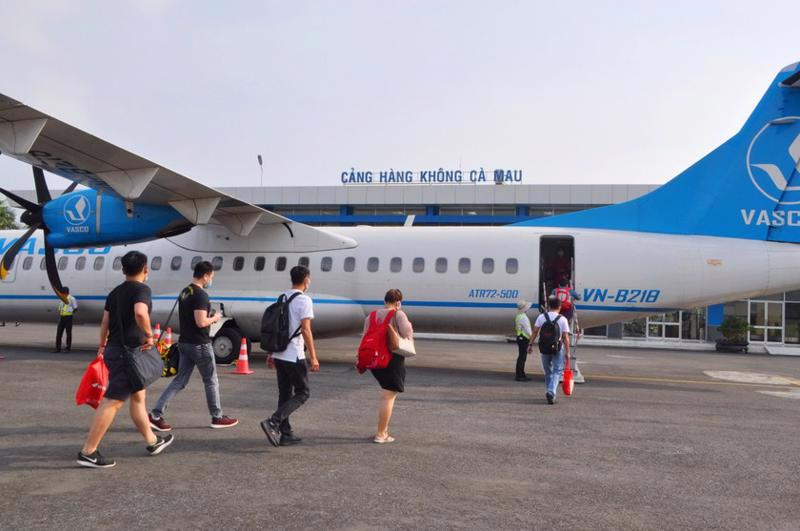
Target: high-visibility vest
[66,310]
[520,329]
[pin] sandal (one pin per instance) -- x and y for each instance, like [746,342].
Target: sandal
[387,439]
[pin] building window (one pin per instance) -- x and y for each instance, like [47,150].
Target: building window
[418,266]
[259,263]
[280,263]
[464,265]
[326,264]
[488,266]
[176,262]
[155,263]
[350,264]
[372,264]
[596,331]
[27,263]
[634,328]
[216,263]
[196,260]
[63,262]
[117,265]
[512,266]
[396,264]
[99,262]
[238,263]
[80,263]
[441,265]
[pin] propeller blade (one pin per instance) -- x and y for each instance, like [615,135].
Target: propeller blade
[52,272]
[42,193]
[70,188]
[11,254]
[24,203]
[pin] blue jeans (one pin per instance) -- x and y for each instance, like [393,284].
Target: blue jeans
[192,355]
[553,365]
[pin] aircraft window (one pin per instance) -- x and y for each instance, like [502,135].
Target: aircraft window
[259,263]
[99,262]
[304,261]
[238,263]
[27,263]
[63,262]
[326,264]
[441,265]
[488,266]
[216,263]
[117,265]
[418,266]
[372,264]
[176,262]
[80,263]
[43,264]
[396,265]
[196,260]
[464,265]
[155,263]
[512,266]
[350,264]
[280,263]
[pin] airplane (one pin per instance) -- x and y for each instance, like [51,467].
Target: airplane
[724,229]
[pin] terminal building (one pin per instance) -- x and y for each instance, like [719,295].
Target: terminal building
[774,320]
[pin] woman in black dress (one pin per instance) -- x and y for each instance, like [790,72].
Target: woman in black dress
[392,379]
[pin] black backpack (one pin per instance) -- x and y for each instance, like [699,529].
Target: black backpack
[550,336]
[275,336]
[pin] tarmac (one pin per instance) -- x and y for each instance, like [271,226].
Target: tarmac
[654,440]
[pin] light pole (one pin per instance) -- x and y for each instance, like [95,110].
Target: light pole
[261,166]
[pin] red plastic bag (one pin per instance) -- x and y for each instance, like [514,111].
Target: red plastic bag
[93,384]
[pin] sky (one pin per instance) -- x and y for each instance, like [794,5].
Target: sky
[574,92]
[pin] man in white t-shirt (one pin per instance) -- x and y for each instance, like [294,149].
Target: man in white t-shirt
[552,363]
[290,365]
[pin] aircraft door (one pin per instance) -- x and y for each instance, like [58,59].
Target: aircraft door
[556,262]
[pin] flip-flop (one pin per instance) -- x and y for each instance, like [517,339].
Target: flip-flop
[388,439]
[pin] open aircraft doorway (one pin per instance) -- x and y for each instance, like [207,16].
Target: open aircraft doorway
[556,261]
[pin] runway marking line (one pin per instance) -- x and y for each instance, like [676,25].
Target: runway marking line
[686,382]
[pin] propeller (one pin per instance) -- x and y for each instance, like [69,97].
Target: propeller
[33,218]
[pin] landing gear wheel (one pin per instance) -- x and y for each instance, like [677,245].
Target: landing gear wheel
[226,345]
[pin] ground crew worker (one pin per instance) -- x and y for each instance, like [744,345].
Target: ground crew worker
[65,311]
[523,330]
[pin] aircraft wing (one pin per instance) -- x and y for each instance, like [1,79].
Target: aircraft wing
[45,142]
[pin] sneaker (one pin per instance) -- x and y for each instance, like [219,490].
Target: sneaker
[272,432]
[158,424]
[551,399]
[523,378]
[95,460]
[290,439]
[224,422]
[160,445]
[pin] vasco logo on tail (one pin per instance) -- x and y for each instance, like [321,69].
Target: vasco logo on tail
[773,157]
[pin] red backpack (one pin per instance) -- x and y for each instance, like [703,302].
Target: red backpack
[373,351]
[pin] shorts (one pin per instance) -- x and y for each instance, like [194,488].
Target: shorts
[119,386]
[393,377]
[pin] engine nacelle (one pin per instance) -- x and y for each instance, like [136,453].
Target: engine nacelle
[90,219]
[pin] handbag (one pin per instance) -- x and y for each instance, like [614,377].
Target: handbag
[399,345]
[143,367]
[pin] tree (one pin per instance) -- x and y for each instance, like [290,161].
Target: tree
[7,218]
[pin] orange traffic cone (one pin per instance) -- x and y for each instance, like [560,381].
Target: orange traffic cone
[568,384]
[243,365]
[157,332]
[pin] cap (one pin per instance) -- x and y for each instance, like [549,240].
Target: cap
[523,306]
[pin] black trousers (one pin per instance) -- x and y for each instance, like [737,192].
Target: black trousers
[293,391]
[522,356]
[64,324]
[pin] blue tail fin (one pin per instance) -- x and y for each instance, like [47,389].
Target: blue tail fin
[749,187]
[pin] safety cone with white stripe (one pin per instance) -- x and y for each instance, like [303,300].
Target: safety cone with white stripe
[243,364]
[157,332]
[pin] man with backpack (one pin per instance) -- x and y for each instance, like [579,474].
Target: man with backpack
[285,334]
[552,330]
[195,350]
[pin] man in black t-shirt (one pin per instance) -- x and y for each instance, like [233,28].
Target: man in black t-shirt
[125,325]
[194,349]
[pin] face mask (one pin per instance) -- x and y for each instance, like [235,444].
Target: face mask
[399,305]
[208,284]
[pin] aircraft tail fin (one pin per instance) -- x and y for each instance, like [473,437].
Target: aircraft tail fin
[749,187]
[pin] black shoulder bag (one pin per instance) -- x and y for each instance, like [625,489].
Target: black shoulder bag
[143,367]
